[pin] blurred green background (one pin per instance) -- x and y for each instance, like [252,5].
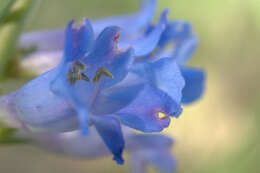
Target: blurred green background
[219,133]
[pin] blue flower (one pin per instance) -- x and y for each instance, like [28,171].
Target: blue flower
[144,149]
[108,76]
[179,43]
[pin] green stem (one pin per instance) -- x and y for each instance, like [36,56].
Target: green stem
[10,29]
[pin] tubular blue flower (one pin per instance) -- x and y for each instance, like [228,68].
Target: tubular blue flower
[179,43]
[105,80]
[90,86]
[144,149]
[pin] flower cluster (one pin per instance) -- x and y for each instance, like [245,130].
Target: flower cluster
[116,71]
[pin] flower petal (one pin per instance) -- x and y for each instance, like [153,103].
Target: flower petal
[175,31]
[106,42]
[42,40]
[148,141]
[72,144]
[114,99]
[185,49]
[195,81]
[119,68]
[130,23]
[147,43]
[110,130]
[164,74]
[41,61]
[151,149]
[162,160]
[142,112]
[168,78]
[54,39]
[78,41]
[41,109]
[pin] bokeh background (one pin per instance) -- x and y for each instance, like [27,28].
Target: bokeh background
[219,133]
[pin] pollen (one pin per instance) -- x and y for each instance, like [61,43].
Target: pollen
[161,115]
[102,72]
[75,72]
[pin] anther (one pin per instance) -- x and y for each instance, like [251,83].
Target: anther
[75,73]
[80,65]
[84,77]
[161,115]
[102,71]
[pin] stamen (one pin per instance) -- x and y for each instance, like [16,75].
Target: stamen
[102,71]
[75,73]
[84,77]
[80,65]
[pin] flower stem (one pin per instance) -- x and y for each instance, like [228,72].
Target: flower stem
[12,22]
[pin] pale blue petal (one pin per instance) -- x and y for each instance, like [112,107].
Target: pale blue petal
[195,84]
[41,109]
[110,130]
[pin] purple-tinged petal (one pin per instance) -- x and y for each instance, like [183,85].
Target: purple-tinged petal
[78,41]
[106,54]
[195,84]
[106,43]
[143,112]
[110,130]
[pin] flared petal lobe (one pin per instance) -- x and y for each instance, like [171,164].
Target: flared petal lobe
[164,74]
[147,43]
[78,40]
[110,130]
[132,23]
[195,84]
[143,112]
